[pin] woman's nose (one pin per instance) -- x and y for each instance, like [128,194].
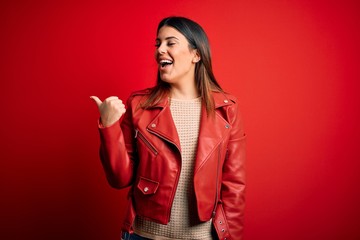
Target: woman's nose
[161,49]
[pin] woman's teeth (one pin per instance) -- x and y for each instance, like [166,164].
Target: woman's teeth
[163,63]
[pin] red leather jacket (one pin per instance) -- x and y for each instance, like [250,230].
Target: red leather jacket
[144,152]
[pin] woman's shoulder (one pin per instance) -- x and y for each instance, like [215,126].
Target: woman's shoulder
[224,97]
[139,96]
[141,92]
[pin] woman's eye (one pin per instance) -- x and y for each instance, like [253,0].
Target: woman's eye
[157,45]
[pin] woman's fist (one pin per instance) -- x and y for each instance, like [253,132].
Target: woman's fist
[111,109]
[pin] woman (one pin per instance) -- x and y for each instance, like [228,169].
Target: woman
[179,145]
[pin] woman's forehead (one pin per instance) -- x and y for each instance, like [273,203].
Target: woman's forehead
[167,32]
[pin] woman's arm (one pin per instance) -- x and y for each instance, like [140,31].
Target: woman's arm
[233,177]
[117,150]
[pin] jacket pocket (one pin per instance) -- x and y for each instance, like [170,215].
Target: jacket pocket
[149,200]
[147,186]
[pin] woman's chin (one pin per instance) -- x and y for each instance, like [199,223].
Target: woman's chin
[166,79]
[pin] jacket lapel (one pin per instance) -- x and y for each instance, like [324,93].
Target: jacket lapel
[213,130]
[163,126]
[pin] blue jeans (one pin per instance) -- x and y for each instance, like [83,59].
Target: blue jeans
[132,236]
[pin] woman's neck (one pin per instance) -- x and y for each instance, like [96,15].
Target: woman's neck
[184,92]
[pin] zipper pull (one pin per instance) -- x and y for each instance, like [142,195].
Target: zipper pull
[136,133]
[213,214]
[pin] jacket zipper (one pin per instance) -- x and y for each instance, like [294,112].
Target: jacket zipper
[177,176]
[166,139]
[217,183]
[139,135]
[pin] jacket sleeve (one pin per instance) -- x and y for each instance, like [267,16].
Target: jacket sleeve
[117,150]
[233,178]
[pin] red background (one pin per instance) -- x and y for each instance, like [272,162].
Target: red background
[293,64]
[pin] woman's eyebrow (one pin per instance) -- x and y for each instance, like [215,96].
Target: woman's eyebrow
[167,38]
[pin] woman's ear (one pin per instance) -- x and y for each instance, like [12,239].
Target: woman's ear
[196,56]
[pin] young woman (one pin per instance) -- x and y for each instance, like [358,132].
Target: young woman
[180,145]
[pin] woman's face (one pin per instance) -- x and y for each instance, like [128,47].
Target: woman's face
[176,60]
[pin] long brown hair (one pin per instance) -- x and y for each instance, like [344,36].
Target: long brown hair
[204,76]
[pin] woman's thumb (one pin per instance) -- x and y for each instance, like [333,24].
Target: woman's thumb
[96,100]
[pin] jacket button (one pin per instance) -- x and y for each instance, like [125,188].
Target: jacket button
[220,222]
[227,126]
[226,101]
[223,230]
[153,125]
[146,189]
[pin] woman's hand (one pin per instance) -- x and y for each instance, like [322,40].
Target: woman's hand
[111,109]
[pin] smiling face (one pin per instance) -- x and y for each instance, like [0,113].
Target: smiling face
[176,60]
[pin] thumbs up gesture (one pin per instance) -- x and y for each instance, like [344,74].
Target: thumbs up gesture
[111,109]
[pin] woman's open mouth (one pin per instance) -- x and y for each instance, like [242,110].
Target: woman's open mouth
[164,63]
